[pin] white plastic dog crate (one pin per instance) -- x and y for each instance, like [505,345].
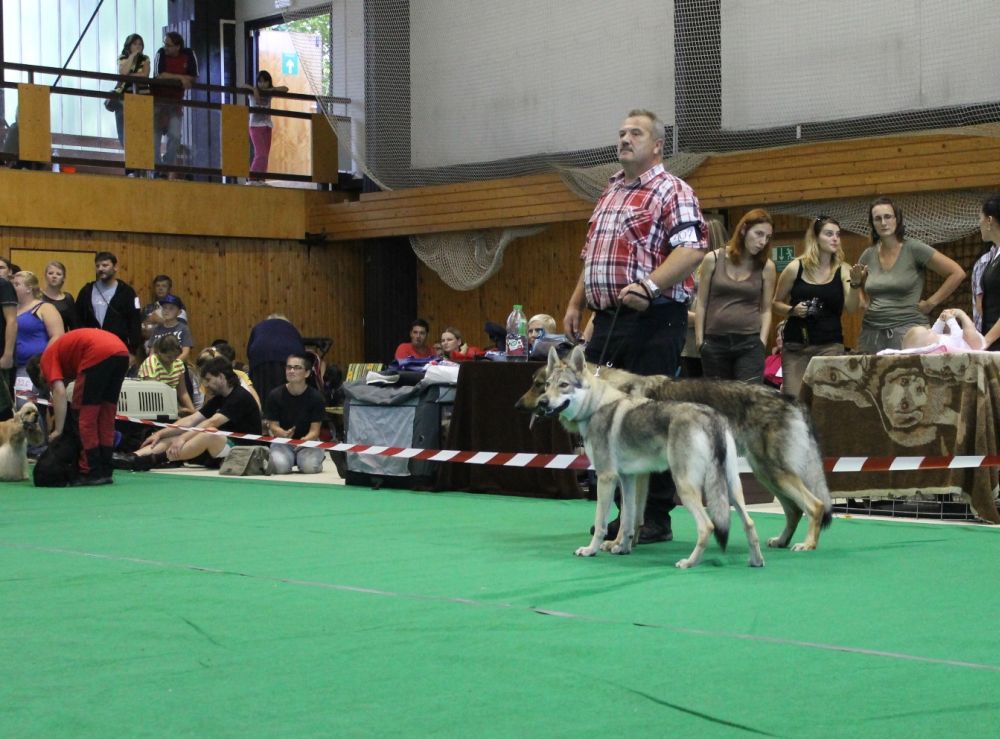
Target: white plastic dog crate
[146,399]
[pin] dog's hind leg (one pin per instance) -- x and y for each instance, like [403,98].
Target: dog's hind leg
[691,498]
[605,494]
[801,500]
[792,517]
[756,558]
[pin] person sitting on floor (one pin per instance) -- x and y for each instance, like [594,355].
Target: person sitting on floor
[218,350]
[164,365]
[953,331]
[231,408]
[296,410]
[417,346]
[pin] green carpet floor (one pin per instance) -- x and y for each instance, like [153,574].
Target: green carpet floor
[163,606]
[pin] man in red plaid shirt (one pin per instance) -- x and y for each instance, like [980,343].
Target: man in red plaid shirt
[646,238]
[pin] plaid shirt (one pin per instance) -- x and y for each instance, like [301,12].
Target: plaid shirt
[977,281]
[634,228]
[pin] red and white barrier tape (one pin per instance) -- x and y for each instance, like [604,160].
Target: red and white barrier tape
[580,462]
[532,460]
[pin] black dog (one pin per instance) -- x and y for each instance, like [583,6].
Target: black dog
[58,466]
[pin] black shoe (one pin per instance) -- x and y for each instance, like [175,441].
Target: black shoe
[90,480]
[136,462]
[652,532]
[612,533]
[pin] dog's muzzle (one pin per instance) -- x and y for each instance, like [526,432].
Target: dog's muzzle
[546,410]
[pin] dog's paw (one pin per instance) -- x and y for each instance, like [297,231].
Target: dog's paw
[621,547]
[586,551]
[776,542]
[803,547]
[607,546]
[755,562]
[684,564]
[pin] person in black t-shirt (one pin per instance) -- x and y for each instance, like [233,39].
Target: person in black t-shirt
[295,410]
[231,408]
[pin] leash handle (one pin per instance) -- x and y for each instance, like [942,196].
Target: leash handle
[607,341]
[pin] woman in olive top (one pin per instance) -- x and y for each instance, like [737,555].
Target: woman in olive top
[891,276]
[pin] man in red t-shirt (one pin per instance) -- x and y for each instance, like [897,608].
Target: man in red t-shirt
[417,346]
[97,360]
[173,61]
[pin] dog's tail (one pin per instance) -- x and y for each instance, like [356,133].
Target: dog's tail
[720,479]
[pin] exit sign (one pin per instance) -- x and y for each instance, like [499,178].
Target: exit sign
[782,255]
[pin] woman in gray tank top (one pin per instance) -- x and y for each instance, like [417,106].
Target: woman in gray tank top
[733,313]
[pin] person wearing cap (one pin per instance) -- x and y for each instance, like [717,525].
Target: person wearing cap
[171,307]
[151,315]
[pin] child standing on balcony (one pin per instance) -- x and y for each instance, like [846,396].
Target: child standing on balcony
[260,125]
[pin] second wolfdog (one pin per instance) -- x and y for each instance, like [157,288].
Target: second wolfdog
[627,438]
[771,430]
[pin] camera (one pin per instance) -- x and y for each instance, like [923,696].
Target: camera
[813,307]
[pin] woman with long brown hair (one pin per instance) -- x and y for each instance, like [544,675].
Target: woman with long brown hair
[733,312]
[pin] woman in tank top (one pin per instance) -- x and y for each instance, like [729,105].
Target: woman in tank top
[733,312]
[52,292]
[38,323]
[813,291]
[989,228]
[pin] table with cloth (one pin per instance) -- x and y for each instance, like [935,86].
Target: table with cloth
[908,405]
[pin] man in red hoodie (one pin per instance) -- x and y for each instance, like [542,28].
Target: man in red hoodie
[97,360]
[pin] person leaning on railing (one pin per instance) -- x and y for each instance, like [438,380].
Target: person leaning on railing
[174,61]
[134,63]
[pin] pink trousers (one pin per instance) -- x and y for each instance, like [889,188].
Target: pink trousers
[261,138]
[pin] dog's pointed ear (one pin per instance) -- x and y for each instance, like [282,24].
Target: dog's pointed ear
[553,359]
[577,361]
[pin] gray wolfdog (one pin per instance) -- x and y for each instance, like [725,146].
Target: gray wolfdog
[771,430]
[627,438]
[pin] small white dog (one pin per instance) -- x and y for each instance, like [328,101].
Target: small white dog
[15,435]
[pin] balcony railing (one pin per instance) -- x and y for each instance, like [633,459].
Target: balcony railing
[219,138]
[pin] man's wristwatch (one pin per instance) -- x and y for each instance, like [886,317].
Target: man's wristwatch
[651,287]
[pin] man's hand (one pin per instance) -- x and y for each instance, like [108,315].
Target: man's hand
[571,322]
[635,296]
[7,361]
[53,435]
[150,440]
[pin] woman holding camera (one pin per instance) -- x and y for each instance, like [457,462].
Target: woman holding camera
[813,291]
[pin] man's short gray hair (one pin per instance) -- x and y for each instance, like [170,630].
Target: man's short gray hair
[659,129]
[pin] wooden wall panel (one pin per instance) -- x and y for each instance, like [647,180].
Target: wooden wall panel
[138,119]
[235,143]
[830,170]
[228,285]
[102,203]
[33,116]
[538,271]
